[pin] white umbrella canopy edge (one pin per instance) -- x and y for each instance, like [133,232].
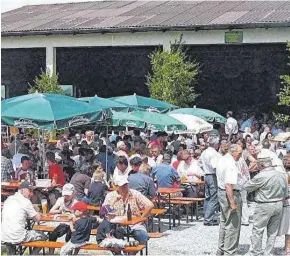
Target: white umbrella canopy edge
[194,124]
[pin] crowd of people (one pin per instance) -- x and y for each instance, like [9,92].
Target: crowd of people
[245,173]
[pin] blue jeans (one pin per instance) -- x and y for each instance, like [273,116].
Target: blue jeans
[211,201]
[140,235]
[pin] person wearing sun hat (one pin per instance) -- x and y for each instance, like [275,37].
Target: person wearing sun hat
[80,225]
[67,200]
[120,200]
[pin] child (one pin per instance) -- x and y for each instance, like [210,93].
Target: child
[105,228]
[98,189]
[114,236]
[81,226]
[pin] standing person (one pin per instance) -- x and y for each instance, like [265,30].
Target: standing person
[271,188]
[121,147]
[231,126]
[7,171]
[16,209]
[208,163]
[229,197]
[267,130]
[98,189]
[156,157]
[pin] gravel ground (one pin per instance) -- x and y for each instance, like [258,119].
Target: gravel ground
[196,239]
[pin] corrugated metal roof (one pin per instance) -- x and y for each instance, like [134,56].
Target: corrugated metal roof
[110,15]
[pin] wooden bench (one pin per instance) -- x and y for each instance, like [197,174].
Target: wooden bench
[94,207]
[58,245]
[6,193]
[49,229]
[195,200]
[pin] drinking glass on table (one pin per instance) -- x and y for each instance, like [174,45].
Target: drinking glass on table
[44,205]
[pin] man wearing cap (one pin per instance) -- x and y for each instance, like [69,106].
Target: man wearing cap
[122,197]
[16,209]
[229,182]
[67,200]
[271,188]
[140,181]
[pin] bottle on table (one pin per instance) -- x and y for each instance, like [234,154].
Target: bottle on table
[129,212]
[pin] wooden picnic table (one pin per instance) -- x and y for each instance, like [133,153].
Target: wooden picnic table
[197,182]
[54,218]
[168,191]
[15,185]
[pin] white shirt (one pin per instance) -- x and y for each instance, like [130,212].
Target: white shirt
[188,170]
[62,206]
[15,211]
[263,136]
[231,126]
[16,161]
[228,172]
[153,162]
[118,173]
[208,160]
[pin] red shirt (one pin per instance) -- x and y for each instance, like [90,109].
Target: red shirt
[56,172]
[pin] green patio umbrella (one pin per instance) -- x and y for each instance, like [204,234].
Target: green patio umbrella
[48,111]
[150,120]
[204,114]
[148,104]
[103,103]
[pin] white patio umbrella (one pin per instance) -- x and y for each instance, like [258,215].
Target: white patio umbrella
[194,124]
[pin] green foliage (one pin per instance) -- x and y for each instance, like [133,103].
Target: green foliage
[46,83]
[173,76]
[284,96]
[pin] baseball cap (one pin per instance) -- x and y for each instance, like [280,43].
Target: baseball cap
[68,189]
[107,209]
[26,184]
[80,206]
[121,181]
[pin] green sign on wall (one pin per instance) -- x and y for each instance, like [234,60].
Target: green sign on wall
[234,37]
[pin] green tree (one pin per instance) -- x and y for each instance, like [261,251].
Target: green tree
[173,76]
[46,82]
[284,96]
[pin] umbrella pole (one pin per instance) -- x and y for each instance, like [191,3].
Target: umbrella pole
[107,155]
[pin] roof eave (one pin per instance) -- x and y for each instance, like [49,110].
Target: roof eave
[264,25]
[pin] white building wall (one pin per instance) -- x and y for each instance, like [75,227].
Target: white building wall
[202,37]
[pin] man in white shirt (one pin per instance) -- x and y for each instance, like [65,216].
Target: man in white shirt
[229,180]
[121,169]
[208,162]
[189,169]
[231,126]
[16,209]
[265,132]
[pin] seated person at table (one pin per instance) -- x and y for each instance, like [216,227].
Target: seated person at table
[80,227]
[24,172]
[7,171]
[67,200]
[105,228]
[119,200]
[56,175]
[166,175]
[98,189]
[16,209]
[82,181]
[140,181]
[189,171]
